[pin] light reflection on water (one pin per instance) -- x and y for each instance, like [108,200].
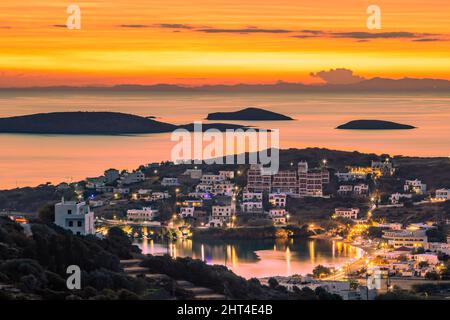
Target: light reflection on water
[259,258]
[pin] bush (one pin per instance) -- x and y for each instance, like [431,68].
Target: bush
[320,271]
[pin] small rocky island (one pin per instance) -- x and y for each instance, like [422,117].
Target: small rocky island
[101,123]
[252,114]
[374,125]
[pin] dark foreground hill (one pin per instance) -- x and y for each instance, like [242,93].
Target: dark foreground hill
[104,123]
[34,267]
[253,114]
[374,125]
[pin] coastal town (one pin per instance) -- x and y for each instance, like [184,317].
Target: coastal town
[401,225]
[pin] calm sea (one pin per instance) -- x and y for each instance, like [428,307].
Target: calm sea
[260,258]
[28,160]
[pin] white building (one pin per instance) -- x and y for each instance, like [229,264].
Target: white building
[222,212]
[278,216]
[443,194]
[392,226]
[223,188]
[349,213]
[415,186]
[75,216]
[226,174]
[211,178]
[197,203]
[405,238]
[96,203]
[144,214]
[94,183]
[187,212]
[431,258]
[142,194]
[204,187]
[133,177]
[277,200]
[216,222]
[386,167]
[396,197]
[160,196]
[169,182]
[193,173]
[199,195]
[121,191]
[350,176]
[220,216]
[251,196]
[439,247]
[345,190]
[361,189]
[252,206]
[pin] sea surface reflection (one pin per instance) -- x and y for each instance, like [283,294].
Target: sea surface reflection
[259,258]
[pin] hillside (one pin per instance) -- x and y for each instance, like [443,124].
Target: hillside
[34,267]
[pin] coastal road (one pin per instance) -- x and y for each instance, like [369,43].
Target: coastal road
[348,268]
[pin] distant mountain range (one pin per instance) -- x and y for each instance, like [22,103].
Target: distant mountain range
[370,85]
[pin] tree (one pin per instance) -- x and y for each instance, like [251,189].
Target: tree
[418,250]
[47,213]
[437,235]
[321,271]
[375,232]
[432,275]
[273,283]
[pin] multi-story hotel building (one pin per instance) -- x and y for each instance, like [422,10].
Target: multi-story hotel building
[406,238]
[285,181]
[144,214]
[256,181]
[310,182]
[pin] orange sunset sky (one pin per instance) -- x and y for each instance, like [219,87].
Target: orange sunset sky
[219,41]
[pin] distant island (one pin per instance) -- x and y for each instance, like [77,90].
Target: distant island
[101,123]
[374,125]
[252,114]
